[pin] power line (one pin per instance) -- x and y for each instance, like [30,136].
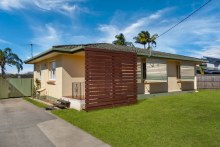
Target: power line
[185,18]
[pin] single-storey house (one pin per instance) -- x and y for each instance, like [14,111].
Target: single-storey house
[99,75]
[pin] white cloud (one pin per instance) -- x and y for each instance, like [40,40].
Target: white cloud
[50,35]
[195,34]
[68,7]
[46,36]
[133,28]
[145,21]
[62,6]
[198,36]
[11,4]
[110,31]
[210,51]
[4,41]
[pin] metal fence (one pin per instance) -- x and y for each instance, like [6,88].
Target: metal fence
[208,81]
[15,87]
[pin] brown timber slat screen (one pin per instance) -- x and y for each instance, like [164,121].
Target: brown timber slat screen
[110,78]
[208,81]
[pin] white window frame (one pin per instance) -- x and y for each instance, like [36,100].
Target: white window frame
[52,70]
[40,72]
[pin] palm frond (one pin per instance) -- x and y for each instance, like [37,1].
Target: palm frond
[144,38]
[10,59]
[154,43]
[120,39]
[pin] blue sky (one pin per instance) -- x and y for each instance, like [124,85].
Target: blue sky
[52,22]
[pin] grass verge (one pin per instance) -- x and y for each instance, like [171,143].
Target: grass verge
[36,103]
[182,120]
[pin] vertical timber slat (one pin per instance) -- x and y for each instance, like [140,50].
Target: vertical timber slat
[110,78]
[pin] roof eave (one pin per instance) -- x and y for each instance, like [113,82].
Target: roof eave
[72,51]
[38,56]
[164,57]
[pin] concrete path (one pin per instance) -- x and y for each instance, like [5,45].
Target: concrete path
[24,125]
[68,135]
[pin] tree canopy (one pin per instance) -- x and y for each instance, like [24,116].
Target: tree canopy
[7,57]
[120,40]
[144,38]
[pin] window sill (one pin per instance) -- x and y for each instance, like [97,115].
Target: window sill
[40,90]
[185,80]
[51,82]
[155,81]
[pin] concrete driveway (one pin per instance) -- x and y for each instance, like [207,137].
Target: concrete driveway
[24,125]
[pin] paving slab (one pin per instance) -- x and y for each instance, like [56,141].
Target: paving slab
[24,125]
[67,135]
[18,124]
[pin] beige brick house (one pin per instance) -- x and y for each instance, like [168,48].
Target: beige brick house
[99,75]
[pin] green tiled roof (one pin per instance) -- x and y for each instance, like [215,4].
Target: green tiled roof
[140,52]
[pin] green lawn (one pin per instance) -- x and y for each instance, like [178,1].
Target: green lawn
[191,119]
[36,103]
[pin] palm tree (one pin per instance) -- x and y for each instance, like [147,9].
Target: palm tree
[144,38]
[7,57]
[120,40]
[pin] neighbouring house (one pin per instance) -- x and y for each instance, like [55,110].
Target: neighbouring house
[212,65]
[93,76]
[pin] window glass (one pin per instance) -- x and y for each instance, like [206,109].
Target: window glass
[178,74]
[53,70]
[139,71]
[187,71]
[40,72]
[156,70]
[144,71]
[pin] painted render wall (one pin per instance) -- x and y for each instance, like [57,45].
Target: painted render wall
[172,83]
[140,83]
[53,90]
[73,71]
[69,68]
[190,85]
[143,86]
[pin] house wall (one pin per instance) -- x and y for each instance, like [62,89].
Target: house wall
[73,71]
[53,90]
[157,87]
[172,84]
[69,69]
[189,85]
[140,84]
[154,87]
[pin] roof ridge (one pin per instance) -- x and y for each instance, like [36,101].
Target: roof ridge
[108,46]
[83,44]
